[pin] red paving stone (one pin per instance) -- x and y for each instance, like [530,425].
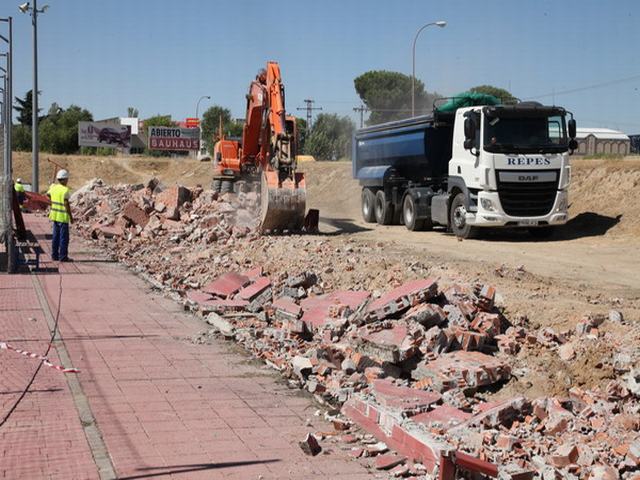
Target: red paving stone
[164,406]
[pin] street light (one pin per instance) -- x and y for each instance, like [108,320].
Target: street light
[441,24]
[198,104]
[8,95]
[208,97]
[24,8]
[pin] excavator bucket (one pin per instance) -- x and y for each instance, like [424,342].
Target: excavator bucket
[282,202]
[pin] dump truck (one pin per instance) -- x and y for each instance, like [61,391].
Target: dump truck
[468,167]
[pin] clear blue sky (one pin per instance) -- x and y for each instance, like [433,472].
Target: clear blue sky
[161,55]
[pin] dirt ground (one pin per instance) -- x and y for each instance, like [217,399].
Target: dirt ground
[590,266]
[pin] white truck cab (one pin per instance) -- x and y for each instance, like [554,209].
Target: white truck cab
[510,167]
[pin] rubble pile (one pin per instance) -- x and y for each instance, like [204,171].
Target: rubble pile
[413,366]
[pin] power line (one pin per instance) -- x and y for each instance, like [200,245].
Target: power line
[309,108]
[589,87]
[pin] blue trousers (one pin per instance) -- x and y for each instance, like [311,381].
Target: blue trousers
[60,242]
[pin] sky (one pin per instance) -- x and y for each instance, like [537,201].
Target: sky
[161,56]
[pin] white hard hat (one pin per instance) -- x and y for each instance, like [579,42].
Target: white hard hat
[18,180]
[62,174]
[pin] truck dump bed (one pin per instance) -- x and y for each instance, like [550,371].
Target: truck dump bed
[416,149]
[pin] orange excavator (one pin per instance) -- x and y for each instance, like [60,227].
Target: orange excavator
[265,158]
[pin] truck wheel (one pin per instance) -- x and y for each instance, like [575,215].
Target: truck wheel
[383,209]
[409,214]
[216,185]
[368,205]
[457,220]
[541,233]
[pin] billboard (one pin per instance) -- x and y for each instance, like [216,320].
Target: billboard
[192,122]
[174,138]
[92,134]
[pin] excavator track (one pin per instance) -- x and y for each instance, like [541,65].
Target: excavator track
[283,203]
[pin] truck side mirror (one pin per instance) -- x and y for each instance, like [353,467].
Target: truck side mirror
[572,128]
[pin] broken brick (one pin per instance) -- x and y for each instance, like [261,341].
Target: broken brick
[310,445]
[403,297]
[135,214]
[226,285]
[388,461]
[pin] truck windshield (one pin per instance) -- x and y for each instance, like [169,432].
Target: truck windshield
[526,134]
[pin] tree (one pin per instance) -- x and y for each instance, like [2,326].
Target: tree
[330,138]
[59,129]
[504,95]
[24,108]
[388,95]
[21,138]
[210,125]
[301,128]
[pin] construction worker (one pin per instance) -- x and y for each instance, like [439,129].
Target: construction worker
[61,216]
[19,188]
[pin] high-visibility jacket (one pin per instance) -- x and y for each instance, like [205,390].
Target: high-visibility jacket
[18,187]
[58,212]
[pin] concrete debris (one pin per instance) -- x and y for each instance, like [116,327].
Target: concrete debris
[414,366]
[310,445]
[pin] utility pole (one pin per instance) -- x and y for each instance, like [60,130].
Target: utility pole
[309,108]
[8,92]
[35,147]
[361,109]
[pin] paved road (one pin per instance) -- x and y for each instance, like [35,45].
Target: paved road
[148,403]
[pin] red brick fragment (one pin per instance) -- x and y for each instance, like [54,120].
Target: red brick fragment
[227,284]
[135,214]
[388,461]
[310,445]
[254,290]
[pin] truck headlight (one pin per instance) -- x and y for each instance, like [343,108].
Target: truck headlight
[563,203]
[487,205]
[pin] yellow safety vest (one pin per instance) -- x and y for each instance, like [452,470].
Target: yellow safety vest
[19,187]
[58,212]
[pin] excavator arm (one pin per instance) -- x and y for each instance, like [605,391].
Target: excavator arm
[267,153]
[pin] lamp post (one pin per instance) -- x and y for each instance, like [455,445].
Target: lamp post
[8,95]
[198,104]
[24,8]
[441,24]
[208,97]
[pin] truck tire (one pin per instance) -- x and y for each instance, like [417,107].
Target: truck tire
[216,185]
[368,205]
[457,221]
[383,209]
[409,215]
[541,233]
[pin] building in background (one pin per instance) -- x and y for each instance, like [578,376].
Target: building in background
[635,144]
[602,141]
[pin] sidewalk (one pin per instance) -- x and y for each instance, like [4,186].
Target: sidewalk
[164,406]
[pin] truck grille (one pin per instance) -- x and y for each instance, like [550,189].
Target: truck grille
[526,198]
